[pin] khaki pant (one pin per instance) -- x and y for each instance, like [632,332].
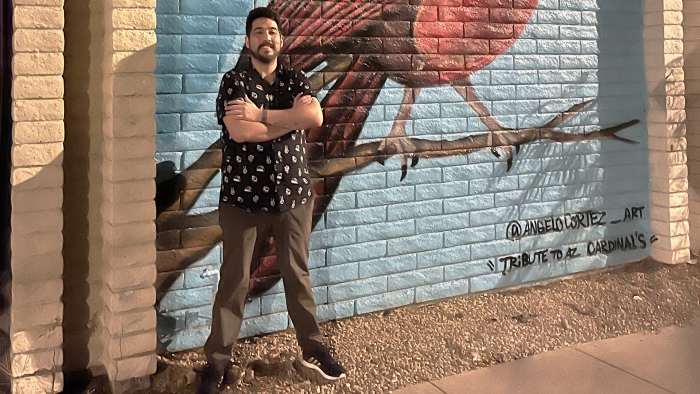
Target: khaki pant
[244,234]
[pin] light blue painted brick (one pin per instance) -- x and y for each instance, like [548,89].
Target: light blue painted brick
[276,303]
[564,192]
[558,105]
[551,240]
[388,230]
[415,176]
[527,166]
[175,157]
[513,77]
[227,62]
[197,121]
[198,317]
[444,256]
[585,264]
[360,182]
[211,44]
[167,45]
[441,223]
[442,290]
[418,111]
[373,130]
[417,243]
[251,309]
[183,299]
[168,123]
[317,258]
[334,275]
[517,197]
[455,110]
[470,236]
[442,190]
[167,7]
[335,311]
[357,289]
[467,172]
[537,272]
[547,5]
[186,24]
[186,64]
[216,7]
[468,203]
[415,278]
[439,126]
[494,249]
[332,237]
[559,17]
[264,324]
[387,265]
[208,199]
[187,339]
[536,62]
[232,25]
[579,32]
[514,107]
[342,201]
[580,61]
[201,276]
[589,18]
[479,78]
[190,157]
[354,217]
[356,252]
[168,83]
[580,90]
[384,301]
[499,92]
[503,62]
[585,204]
[387,196]
[202,83]
[559,76]
[561,177]
[442,94]
[177,284]
[414,210]
[537,30]
[504,183]
[390,96]
[446,161]
[538,91]
[179,103]
[214,255]
[533,120]
[579,5]
[558,46]
[541,209]
[493,216]
[468,269]
[523,45]
[190,140]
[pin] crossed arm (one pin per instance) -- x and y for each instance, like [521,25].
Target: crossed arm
[244,120]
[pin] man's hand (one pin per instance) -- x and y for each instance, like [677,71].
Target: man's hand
[244,109]
[301,100]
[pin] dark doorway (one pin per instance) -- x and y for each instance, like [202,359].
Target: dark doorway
[5,167]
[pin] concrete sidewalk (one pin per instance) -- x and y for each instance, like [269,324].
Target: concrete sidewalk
[642,363]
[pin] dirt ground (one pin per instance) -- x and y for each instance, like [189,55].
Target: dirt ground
[393,349]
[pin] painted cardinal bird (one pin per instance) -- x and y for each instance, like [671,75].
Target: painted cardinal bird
[358,45]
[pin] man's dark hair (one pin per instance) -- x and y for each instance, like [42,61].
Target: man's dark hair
[260,12]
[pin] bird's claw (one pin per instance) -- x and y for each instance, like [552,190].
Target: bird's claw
[403,147]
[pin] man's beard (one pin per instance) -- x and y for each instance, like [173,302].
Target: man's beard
[267,59]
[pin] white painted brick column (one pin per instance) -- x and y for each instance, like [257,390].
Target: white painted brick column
[691,52]
[128,209]
[37,196]
[663,47]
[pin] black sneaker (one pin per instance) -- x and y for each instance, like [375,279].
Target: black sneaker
[322,363]
[213,380]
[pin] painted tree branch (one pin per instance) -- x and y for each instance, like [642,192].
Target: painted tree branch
[368,153]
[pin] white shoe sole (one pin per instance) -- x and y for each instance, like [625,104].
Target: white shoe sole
[320,372]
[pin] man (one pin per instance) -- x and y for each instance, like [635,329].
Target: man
[264,108]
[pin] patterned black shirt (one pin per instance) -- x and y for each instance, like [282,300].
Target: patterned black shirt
[270,176]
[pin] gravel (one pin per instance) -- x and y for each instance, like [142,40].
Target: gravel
[388,350]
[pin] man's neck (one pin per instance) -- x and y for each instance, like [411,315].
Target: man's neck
[266,70]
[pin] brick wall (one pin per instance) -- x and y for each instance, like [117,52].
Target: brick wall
[691,68]
[37,221]
[383,242]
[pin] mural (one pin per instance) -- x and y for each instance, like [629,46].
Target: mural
[351,50]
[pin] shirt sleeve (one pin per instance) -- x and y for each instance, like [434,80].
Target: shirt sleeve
[302,84]
[231,89]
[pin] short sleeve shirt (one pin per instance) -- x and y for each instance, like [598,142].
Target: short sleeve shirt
[270,176]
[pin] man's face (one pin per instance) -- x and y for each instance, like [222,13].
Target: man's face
[265,40]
